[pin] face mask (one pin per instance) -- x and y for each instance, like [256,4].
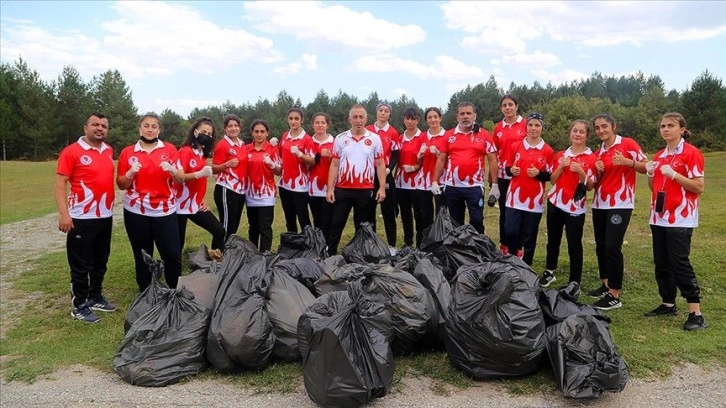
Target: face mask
[206,142]
[147,141]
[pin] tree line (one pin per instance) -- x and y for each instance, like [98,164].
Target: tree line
[38,118]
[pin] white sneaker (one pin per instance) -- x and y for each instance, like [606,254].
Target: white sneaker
[393,250]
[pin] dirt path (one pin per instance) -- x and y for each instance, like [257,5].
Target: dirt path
[79,386]
[20,244]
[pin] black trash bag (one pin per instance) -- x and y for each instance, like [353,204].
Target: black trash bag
[584,357]
[166,344]
[199,260]
[558,305]
[366,247]
[411,306]
[202,285]
[494,325]
[287,299]
[303,270]
[308,244]
[336,278]
[433,279]
[408,258]
[151,295]
[241,335]
[238,246]
[434,234]
[344,340]
[332,262]
[465,246]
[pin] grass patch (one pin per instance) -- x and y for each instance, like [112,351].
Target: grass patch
[27,190]
[45,338]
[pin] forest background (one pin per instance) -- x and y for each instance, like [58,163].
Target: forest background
[39,118]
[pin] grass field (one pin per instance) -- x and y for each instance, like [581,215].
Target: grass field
[45,338]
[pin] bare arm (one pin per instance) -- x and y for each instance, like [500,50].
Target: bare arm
[694,185]
[440,164]
[123,182]
[493,167]
[65,223]
[332,176]
[307,159]
[381,172]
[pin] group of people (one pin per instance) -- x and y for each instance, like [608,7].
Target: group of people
[411,174]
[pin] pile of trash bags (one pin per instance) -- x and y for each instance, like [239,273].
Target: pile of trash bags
[345,317]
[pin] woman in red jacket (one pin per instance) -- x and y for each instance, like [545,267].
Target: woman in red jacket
[511,130]
[573,176]
[618,159]
[190,195]
[531,166]
[675,176]
[263,165]
[409,165]
[147,171]
[320,208]
[229,163]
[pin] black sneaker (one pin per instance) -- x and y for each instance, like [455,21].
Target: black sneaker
[599,292]
[662,310]
[695,322]
[547,278]
[84,314]
[608,302]
[101,305]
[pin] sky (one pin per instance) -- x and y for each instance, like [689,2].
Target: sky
[181,55]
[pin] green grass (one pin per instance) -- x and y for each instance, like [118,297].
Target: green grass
[26,190]
[45,338]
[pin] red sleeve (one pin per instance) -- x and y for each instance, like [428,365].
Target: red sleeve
[496,139]
[551,159]
[65,163]
[512,153]
[309,146]
[444,148]
[219,155]
[123,160]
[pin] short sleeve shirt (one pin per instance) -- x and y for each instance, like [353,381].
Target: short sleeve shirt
[295,174]
[562,193]
[390,139]
[527,193]
[505,136]
[90,176]
[466,157]
[320,170]
[408,155]
[616,185]
[232,178]
[152,191]
[681,205]
[261,191]
[428,163]
[357,168]
[189,195]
